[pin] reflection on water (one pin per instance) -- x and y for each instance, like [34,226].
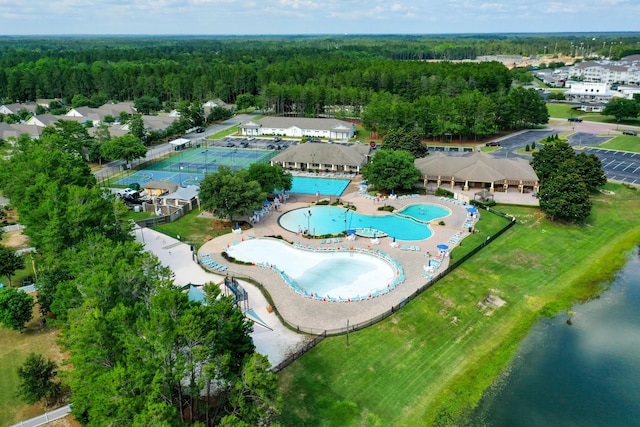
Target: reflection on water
[586,374]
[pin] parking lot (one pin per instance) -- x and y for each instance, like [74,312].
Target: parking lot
[618,165]
[582,139]
[513,143]
[251,142]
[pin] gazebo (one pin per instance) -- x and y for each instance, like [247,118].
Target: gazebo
[483,195]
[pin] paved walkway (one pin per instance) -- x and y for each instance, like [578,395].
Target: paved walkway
[316,316]
[273,339]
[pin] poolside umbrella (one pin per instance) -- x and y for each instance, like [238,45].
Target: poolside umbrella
[237,226]
[472,209]
[394,239]
[375,235]
[442,247]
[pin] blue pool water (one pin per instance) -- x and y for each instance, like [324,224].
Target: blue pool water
[324,186]
[408,224]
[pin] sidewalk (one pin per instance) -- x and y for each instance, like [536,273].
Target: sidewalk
[273,339]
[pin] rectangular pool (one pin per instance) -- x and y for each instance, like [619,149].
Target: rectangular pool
[321,186]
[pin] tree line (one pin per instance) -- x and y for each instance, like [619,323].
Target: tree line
[142,352]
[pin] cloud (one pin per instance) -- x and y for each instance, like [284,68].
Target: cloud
[492,6]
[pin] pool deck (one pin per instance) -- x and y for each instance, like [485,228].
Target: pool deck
[316,316]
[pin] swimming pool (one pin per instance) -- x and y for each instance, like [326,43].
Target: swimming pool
[321,186]
[336,275]
[409,224]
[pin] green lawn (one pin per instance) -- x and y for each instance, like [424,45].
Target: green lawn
[13,352]
[424,367]
[561,110]
[231,131]
[624,143]
[193,229]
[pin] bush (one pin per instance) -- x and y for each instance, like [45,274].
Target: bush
[386,208]
[441,192]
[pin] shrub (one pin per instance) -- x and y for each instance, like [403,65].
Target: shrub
[386,208]
[441,192]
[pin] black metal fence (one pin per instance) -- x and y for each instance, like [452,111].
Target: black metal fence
[182,210]
[355,327]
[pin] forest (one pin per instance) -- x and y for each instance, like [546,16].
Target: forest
[387,81]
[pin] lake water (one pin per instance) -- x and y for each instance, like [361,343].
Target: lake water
[585,374]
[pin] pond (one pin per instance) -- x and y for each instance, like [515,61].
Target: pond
[584,374]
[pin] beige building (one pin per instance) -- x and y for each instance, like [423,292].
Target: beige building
[324,157]
[478,171]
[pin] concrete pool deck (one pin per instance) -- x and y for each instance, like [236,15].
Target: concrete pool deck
[317,316]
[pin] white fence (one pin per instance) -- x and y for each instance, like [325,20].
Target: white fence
[45,418]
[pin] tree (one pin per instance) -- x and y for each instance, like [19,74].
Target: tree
[80,100]
[255,398]
[589,168]
[269,177]
[136,127]
[218,114]
[15,308]
[69,135]
[391,170]
[407,140]
[565,198]
[37,376]
[126,147]
[229,193]
[621,108]
[548,159]
[245,101]
[192,112]
[10,262]
[147,104]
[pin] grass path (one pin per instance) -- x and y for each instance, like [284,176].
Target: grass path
[420,366]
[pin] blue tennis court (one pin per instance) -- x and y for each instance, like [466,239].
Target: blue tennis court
[318,186]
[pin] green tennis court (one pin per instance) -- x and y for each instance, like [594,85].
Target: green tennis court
[209,159]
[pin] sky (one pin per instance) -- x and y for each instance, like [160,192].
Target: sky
[264,17]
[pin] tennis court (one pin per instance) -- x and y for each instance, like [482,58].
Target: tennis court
[209,159]
[189,167]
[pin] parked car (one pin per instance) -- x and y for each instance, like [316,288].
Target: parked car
[251,138]
[630,132]
[575,119]
[199,129]
[244,144]
[277,139]
[230,144]
[271,147]
[492,144]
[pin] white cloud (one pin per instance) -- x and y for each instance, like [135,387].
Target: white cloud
[491,6]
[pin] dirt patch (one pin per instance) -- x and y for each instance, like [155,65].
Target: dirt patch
[488,305]
[67,421]
[15,239]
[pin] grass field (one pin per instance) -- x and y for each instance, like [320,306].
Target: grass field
[624,143]
[561,110]
[13,352]
[430,363]
[194,229]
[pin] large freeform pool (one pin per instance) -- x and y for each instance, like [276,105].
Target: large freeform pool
[331,275]
[410,223]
